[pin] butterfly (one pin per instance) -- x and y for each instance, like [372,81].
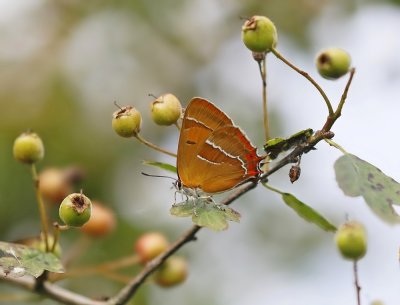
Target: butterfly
[214,155]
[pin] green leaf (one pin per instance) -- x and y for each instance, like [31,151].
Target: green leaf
[357,177]
[183,209]
[164,166]
[307,213]
[206,213]
[17,260]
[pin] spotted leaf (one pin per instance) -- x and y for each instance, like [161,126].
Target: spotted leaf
[17,260]
[357,177]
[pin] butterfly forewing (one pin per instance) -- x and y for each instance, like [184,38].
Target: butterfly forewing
[200,120]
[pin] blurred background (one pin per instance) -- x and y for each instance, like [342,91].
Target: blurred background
[62,65]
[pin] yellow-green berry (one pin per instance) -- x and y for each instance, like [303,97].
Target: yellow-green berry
[75,210]
[333,63]
[127,122]
[351,240]
[150,245]
[166,109]
[28,148]
[172,272]
[259,34]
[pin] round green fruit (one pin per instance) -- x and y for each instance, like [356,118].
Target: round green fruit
[127,122]
[333,63]
[351,240]
[259,34]
[75,210]
[28,148]
[166,109]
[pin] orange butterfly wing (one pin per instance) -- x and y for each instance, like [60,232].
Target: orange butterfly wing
[213,155]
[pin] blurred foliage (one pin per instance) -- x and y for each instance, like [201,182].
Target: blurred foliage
[43,86]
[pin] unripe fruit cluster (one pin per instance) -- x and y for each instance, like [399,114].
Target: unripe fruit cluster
[351,240]
[75,210]
[28,148]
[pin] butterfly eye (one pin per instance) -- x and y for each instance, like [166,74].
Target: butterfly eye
[178,185]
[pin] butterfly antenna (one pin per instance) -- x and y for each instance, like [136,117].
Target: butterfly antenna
[158,176]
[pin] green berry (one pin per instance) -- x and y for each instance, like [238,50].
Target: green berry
[351,240]
[259,34]
[333,63]
[150,245]
[127,122]
[28,148]
[172,272]
[166,109]
[75,210]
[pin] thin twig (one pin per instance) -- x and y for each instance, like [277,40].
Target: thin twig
[153,146]
[333,117]
[263,73]
[308,77]
[356,282]
[41,207]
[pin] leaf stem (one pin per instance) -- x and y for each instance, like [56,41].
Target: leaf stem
[153,146]
[336,145]
[41,207]
[268,186]
[308,77]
